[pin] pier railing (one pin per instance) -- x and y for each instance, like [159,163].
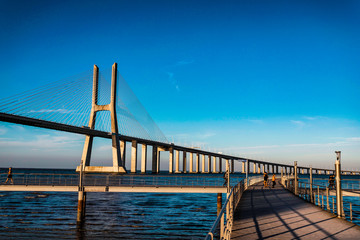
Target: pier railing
[325,198]
[222,226]
[45,179]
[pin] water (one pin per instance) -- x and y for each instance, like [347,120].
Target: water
[108,215]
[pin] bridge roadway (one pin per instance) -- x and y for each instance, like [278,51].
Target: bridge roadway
[278,214]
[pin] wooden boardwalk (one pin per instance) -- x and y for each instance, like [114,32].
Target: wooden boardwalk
[278,214]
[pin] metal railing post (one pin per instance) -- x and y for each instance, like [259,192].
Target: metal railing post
[338,185]
[351,216]
[327,199]
[311,186]
[296,179]
[318,188]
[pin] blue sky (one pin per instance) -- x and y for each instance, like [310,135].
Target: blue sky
[272,80]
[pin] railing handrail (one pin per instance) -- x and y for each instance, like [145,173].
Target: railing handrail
[250,180]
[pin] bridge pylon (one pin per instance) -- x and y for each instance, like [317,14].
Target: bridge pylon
[118,164]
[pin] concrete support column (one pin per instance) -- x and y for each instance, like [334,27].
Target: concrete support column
[232,168]
[197,160]
[220,165]
[81,206]
[214,164]
[254,167]
[133,156]
[171,160]
[202,163]
[258,168]
[123,151]
[191,163]
[143,158]
[184,162]
[243,167]
[263,168]
[154,159]
[177,162]
[209,164]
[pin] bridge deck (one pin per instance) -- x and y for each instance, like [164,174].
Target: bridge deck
[278,214]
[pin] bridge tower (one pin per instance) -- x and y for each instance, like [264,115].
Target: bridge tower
[118,164]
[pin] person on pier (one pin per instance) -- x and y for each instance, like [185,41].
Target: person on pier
[266,179]
[9,177]
[273,180]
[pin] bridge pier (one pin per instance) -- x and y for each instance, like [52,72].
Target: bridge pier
[214,164]
[184,162]
[220,165]
[171,160]
[154,168]
[133,156]
[197,162]
[243,167]
[191,163]
[232,168]
[177,164]
[202,163]
[254,167]
[143,158]
[209,163]
[258,168]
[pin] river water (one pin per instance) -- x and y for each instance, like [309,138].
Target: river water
[44,215]
[108,215]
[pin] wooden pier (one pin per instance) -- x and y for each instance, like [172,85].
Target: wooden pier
[275,213]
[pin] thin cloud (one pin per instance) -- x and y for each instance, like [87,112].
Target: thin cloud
[297,123]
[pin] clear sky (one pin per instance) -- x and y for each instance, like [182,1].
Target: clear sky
[270,80]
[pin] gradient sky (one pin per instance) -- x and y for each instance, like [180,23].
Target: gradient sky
[270,80]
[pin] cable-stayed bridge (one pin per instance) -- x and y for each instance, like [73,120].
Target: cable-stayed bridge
[88,104]
[91,105]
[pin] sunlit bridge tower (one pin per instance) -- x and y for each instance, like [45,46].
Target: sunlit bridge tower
[118,164]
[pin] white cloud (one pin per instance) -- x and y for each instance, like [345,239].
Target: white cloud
[297,123]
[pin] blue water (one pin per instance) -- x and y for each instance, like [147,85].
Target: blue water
[108,215]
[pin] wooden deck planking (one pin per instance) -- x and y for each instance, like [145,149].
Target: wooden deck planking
[278,214]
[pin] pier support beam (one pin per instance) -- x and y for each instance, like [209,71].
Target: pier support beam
[232,169]
[81,206]
[143,157]
[220,165]
[243,167]
[254,167]
[219,203]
